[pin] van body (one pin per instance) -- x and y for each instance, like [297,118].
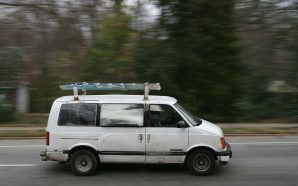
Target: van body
[128,129]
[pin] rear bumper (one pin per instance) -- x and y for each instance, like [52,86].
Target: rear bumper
[43,155]
[225,156]
[54,156]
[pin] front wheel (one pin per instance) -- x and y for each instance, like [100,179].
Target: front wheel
[83,163]
[201,163]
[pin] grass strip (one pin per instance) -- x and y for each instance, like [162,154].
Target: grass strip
[285,130]
[22,125]
[22,133]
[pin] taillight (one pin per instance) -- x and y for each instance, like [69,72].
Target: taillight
[47,138]
[222,142]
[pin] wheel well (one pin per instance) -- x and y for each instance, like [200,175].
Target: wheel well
[83,147]
[201,148]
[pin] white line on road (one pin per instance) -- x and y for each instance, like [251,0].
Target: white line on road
[17,165]
[266,143]
[20,146]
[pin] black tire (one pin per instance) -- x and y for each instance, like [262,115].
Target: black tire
[201,163]
[83,163]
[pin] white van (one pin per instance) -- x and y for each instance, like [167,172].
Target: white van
[92,129]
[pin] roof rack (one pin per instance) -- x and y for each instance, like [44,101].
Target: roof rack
[76,86]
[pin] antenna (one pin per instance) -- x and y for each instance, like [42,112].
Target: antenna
[76,86]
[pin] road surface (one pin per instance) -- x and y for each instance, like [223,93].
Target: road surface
[256,161]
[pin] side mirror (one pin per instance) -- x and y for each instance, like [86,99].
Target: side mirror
[181,124]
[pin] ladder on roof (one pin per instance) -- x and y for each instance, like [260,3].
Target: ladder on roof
[76,86]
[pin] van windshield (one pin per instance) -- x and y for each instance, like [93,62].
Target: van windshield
[195,121]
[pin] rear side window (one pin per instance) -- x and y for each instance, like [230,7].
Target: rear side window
[122,115]
[78,114]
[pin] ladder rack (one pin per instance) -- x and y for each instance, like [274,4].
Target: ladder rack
[75,86]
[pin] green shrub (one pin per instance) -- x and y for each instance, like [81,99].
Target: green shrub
[7,112]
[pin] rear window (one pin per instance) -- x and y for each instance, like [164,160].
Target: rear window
[78,114]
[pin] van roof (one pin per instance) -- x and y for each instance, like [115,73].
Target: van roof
[120,98]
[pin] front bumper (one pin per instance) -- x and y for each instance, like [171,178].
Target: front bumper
[225,156]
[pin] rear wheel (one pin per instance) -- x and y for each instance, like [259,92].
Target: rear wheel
[201,163]
[83,163]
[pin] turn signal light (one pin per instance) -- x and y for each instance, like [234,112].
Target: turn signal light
[222,142]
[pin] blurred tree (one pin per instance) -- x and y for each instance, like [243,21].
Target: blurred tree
[111,57]
[191,49]
[51,37]
[268,38]
[193,54]
[10,62]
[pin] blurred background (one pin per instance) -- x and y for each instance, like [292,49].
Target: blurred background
[226,61]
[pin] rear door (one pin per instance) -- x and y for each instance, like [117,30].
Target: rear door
[76,124]
[121,135]
[165,142]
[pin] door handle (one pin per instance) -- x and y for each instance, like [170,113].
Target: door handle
[148,138]
[140,138]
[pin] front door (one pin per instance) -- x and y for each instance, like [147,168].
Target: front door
[165,142]
[121,135]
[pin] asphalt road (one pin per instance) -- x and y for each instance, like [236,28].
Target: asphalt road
[256,161]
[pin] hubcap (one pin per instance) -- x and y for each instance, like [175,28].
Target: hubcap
[83,163]
[201,162]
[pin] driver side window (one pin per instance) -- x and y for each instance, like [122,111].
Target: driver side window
[163,116]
